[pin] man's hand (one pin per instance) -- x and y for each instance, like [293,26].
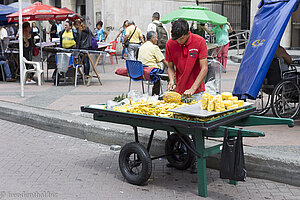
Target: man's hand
[189,92]
[171,86]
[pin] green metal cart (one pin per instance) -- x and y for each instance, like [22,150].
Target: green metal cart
[135,161]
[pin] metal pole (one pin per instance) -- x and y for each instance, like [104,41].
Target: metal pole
[21,48]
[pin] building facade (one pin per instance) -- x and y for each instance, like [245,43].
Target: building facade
[240,13]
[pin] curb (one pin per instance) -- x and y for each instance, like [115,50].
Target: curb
[265,163]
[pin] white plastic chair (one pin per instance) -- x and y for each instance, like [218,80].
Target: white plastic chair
[36,69]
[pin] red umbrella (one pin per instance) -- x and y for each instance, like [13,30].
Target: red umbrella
[73,16]
[40,12]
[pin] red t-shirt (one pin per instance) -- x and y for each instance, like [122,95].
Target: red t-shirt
[186,60]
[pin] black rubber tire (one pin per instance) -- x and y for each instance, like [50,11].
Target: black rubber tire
[135,163]
[178,155]
[285,99]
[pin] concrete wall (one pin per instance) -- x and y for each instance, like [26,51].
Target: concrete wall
[114,12]
[286,38]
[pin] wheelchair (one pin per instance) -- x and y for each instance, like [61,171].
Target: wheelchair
[280,91]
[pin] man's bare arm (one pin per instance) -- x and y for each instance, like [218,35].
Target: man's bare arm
[171,73]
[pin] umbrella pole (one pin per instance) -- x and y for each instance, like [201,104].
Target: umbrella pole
[21,49]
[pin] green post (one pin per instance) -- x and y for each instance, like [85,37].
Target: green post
[201,164]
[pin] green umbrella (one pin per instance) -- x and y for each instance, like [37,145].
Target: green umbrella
[195,13]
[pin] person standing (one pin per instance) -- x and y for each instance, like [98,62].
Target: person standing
[135,37]
[150,55]
[188,53]
[122,33]
[84,41]
[156,26]
[53,30]
[222,38]
[68,37]
[101,33]
[59,27]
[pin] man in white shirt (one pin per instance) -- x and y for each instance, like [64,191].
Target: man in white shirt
[3,33]
[156,26]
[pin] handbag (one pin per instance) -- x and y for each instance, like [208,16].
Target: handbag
[126,43]
[94,41]
[36,51]
[232,158]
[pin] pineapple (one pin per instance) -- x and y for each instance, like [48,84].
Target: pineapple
[226,95]
[239,102]
[172,97]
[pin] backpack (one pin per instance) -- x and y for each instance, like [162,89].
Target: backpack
[94,41]
[162,36]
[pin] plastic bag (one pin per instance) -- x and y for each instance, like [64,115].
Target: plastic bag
[232,158]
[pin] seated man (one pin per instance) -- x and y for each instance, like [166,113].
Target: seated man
[4,62]
[284,58]
[150,55]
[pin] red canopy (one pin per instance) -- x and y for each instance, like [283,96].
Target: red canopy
[73,16]
[39,12]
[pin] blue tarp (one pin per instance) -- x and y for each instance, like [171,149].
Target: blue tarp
[5,10]
[268,27]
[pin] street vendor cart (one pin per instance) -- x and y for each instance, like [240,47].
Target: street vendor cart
[135,161]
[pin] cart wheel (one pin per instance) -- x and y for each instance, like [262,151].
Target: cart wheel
[285,99]
[262,103]
[178,155]
[135,163]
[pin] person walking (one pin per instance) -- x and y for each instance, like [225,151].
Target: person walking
[122,33]
[135,37]
[157,26]
[222,38]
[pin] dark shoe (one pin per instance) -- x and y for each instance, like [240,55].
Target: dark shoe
[11,80]
[194,168]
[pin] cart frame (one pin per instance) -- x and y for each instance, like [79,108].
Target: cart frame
[198,130]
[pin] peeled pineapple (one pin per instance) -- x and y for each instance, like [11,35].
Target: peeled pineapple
[232,106]
[220,103]
[172,97]
[226,95]
[239,103]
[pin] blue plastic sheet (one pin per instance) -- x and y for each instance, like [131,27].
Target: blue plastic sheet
[5,10]
[268,27]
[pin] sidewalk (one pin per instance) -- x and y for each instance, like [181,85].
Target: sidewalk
[275,156]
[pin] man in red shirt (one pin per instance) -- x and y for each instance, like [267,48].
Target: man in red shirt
[188,53]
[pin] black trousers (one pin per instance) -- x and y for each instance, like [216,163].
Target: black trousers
[156,88]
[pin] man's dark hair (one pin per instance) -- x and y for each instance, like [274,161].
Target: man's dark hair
[150,35]
[69,22]
[180,27]
[156,15]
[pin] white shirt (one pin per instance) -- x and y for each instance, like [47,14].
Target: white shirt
[152,26]
[3,33]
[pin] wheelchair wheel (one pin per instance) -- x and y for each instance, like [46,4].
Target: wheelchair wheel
[178,154]
[285,99]
[135,163]
[262,103]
